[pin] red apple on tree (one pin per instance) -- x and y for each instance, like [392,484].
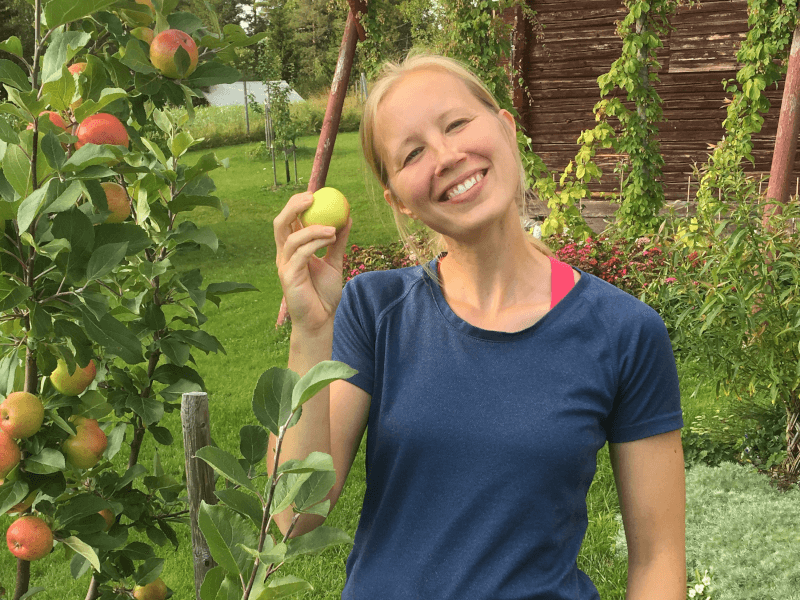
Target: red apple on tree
[118,202]
[29,538]
[21,415]
[155,590]
[84,449]
[163,49]
[9,454]
[101,128]
[75,383]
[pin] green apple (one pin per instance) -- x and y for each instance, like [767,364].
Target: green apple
[21,415]
[84,449]
[330,208]
[155,590]
[72,385]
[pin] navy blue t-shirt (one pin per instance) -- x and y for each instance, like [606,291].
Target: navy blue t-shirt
[481,445]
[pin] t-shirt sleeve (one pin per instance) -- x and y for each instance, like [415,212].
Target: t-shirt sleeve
[354,337]
[648,393]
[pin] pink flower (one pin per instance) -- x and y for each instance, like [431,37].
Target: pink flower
[670,280]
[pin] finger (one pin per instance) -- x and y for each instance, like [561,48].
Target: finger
[286,221]
[304,236]
[336,252]
[299,259]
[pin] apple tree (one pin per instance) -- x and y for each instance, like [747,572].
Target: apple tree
[96,320]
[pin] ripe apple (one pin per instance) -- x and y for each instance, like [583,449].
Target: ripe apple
[75,384]
[155,590]
[84,449]
[118,203]
[330,208]
[163,48]
[29,538]
[101,128]
[146,3]
[9,454]
[108,516]
[55,119]
[21,415]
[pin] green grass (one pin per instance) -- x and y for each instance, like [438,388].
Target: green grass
[245,324]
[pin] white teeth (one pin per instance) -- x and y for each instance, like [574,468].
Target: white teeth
[463,187]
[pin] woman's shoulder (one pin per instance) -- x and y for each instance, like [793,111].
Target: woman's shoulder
[617,307]
[378,289]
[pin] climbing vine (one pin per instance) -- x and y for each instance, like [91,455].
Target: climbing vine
[634,73]
[763,56]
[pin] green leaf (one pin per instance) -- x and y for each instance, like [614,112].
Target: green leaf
[314,489]
[135,57]
[13,45]
[181,143]
[149,409]
[104,259]
[90,107]
[31,206]
[215,290]
[79,507]
[89,155]
[32,592]
[11,494]
[176,351]
[7,133]
[272,397]
[83,549]
[114,336]
[186,22]
[62,90]
[316,461]
[53,151]
[224,530]
[211,73]
[286,491]
[13,75]
[17,170]
[315,541]
[15,297]
[148,571]
[58,12]
[226,465]
[319,376]
[243,503]
[283,587]
[47,461]
[211,583]
[62,47]
[253,443]
[135,236]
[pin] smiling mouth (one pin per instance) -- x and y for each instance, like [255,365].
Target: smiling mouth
[464,186]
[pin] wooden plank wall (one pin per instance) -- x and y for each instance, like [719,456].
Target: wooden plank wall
[577,43]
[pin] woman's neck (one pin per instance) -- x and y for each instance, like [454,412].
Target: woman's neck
[500,270]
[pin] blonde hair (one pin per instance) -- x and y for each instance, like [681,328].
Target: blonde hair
[390,75]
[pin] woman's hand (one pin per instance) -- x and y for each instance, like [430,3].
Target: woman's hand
[312,286]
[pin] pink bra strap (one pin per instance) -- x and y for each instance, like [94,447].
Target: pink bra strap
[561,280]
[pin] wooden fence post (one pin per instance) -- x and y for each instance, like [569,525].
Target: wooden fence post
[199,477]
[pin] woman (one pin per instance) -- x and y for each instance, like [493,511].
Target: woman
[489,379]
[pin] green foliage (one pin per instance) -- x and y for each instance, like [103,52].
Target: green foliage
[743,529]
[237,531]
[76,288]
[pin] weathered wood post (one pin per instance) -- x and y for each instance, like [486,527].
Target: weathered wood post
[199,477]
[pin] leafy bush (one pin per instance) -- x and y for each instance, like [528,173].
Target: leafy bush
[743,528]
[376,258]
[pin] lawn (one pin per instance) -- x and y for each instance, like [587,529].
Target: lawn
[245,324]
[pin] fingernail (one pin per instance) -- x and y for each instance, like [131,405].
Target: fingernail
[330,230]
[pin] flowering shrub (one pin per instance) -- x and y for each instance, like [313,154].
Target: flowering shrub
[631,266]
[701,585]
[376,258]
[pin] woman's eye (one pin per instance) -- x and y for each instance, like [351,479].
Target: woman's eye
[457,123]
[411,155]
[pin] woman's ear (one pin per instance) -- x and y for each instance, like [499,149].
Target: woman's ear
[397,204]
[508,119]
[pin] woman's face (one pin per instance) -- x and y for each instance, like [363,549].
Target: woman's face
[448,157]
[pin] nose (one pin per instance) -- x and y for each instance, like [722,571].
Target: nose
[448,155]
